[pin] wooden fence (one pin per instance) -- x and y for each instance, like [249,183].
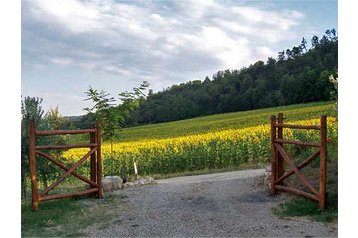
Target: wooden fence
[95,180]
[279,155]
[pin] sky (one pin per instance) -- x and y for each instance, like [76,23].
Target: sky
[69,45]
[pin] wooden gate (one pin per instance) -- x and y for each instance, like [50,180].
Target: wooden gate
[279,155]
[95,180]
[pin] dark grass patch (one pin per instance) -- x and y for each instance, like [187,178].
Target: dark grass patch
[297,206]
[50,218]
[65,217]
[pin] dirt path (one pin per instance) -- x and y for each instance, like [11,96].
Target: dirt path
[226,204]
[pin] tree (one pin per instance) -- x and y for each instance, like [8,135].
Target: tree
[315,41]
[303,45]
[110,115]
[281,56]
[31,109]
[103,111]
[54,118]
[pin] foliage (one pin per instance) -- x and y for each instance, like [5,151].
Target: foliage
[299,75]
[31,109]
[109,115]
[54,118]
[103,110]
[334,93]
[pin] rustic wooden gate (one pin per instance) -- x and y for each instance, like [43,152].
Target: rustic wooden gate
[94,154]
[279,155]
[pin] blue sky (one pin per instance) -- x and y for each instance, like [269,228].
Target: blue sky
[68,45]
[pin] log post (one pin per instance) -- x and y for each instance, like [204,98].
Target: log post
[323,163]
[273,154]
[99,160]
[32,158]
[279,157]
[93,167]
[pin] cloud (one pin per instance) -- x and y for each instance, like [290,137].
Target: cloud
[165,42]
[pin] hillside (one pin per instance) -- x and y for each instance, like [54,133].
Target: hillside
[219,122]
[297,75]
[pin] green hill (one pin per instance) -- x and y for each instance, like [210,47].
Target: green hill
[220,122]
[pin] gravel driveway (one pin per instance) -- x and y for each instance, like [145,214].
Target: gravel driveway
[226,205]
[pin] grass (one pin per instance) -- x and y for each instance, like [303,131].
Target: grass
[297,206]
[67,217]
[54,218]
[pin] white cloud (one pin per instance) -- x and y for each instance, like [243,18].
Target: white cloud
[62,61]
[166,42]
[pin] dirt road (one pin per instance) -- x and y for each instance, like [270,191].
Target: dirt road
[228,204]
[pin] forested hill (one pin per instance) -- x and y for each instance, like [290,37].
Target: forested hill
[297,75]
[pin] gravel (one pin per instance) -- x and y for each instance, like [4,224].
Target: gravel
[228,204]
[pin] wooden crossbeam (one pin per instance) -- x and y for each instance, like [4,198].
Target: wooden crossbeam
[281,125]
[300,166]
[297,191]
[64,147]
[59,196]
[293,142]
[295,169]
[63,166]
[68,173]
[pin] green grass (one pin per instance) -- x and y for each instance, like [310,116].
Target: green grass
[297,206]
[54,218]
[66,217]
[220,122]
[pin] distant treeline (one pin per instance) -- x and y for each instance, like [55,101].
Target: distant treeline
[297,75]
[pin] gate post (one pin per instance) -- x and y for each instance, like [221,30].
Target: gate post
[273,154]
[32,158]
[323,163]
[99,160]
[279,157]
[93,168]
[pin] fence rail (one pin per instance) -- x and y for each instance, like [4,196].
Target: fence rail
[279,156]
[95,180]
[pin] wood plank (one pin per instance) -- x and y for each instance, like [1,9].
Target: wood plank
[297,143]
[306,127]
[63,166]
[68,173]
[64,132]
[32,161]
[99,159]
[297,192]
[69,195]
[323,163]
[300,166]
[279,157]
[273,154]
[292,165]
[63,147]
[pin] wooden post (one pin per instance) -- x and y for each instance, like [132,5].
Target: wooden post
[99,160]
[273,154]
[323,163]
[32,158]
[93,167]
[279,157]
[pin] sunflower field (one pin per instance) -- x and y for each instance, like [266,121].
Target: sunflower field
[210,149]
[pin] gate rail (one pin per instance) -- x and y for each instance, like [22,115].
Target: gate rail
[279,155]
[95,180]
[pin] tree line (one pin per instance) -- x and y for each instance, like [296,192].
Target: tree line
[297,75]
